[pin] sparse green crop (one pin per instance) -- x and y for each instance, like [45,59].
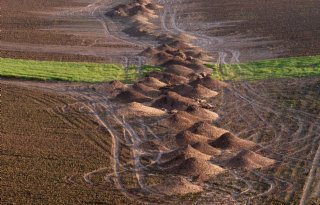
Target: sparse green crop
[277,68]
[68,71]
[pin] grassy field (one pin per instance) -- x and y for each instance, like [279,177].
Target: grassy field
[277,68]
[94,72]
[67,71]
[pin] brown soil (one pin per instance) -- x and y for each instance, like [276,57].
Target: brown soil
[46,30]
[179,142]
[294,24]
[267,29]
[259,30]
[44,154]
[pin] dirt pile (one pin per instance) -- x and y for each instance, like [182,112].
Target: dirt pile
[149,52]
[152,82]
[135,109]
[172,101]
[134,9]
[178,121]
[177,186]
[180,44]
[179,70]
[188,138]
[198,142]
[169,78]
[117,85]
[210,83]
[186,151]
[175,61]
[146,90]
[174,51]
[196,53]
[198,67]
[199,91]
[113,88]
[139,14]
[160,57]
[200,169]
[183,89]
[229,141]
[181,95]
[208,130]
[165,47]
[202,113]
[248,160]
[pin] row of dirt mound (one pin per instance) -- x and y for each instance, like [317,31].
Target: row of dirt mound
[178,102]
[138,14]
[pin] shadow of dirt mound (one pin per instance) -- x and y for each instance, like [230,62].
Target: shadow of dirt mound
[230,141]
[131,95]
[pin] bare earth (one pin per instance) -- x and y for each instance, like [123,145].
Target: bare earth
[259,30]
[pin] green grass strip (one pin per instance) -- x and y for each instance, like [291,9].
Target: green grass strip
[94,72]
[68,71]
[276,68]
